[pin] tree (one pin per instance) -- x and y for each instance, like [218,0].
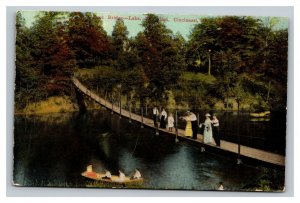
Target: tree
[204,41]
[44,41]
[277,71]
[233,47]
[157,52]
[26,76]
[87,39]
[120,41]
[235,34]
[53,59]
[23,58]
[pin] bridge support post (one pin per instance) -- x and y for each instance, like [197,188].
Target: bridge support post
[120,103]
[239,160]
[142,112]
[156,126]
[176,127]
[146,110]
[80,101]
[120,110]
[130,113]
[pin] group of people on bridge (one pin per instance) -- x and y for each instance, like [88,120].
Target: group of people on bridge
[210,126]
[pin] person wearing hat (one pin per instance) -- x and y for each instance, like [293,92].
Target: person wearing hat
[207,129]
[215,125]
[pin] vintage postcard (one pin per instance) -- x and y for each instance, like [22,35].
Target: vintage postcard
[150,101]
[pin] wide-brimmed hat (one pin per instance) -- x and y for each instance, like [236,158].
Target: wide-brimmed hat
[207,114]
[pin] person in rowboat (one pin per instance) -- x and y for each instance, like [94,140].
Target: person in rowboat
[121,176]
[137,175]
[107,175]
[221,187]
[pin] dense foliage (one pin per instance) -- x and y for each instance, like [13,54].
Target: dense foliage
[226,60]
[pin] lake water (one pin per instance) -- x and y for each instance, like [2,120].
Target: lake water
[53,150]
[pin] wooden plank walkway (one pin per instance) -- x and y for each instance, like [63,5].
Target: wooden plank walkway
[225,145]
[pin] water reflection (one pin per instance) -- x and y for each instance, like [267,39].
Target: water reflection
[49,152]
[179,169]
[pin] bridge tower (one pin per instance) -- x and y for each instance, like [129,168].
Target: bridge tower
[80,101]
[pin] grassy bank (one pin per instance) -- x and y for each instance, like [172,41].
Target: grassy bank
[51,105]
[56,104]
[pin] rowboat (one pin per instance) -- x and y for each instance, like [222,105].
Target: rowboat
[90,174]
[260,114]
[114,179]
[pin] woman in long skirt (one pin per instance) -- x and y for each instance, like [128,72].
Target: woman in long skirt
[207,130]
[163,118]
[188,127]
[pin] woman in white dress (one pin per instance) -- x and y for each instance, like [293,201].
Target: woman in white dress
[207,130]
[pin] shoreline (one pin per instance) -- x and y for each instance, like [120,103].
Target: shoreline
[55,104]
